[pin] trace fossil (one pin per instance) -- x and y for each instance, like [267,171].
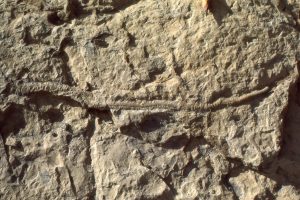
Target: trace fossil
[90,100]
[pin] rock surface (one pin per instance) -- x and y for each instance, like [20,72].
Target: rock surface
[142,99]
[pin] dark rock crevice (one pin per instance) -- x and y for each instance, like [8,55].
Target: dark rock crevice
[284,167]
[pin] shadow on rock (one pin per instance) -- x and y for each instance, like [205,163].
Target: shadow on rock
[285,169]
[220,10]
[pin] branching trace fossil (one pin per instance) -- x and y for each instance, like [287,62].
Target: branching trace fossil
[89,99]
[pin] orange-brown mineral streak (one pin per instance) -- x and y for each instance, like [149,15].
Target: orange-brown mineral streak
[205,5]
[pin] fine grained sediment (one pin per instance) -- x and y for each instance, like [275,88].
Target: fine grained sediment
[143,99]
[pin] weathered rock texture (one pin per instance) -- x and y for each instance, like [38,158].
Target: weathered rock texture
[144,99]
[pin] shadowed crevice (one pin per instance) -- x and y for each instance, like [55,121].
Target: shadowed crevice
[220,10]
[285,168]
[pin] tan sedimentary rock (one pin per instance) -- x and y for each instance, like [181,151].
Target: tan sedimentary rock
[142,99]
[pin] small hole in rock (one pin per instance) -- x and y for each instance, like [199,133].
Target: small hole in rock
[68,138]
[100,40]
[54,134]
[13,179]
[54,19]
[53,115]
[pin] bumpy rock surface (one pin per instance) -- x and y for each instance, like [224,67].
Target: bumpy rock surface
[143,99]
